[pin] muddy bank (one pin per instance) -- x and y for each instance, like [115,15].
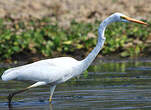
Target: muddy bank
[64,11]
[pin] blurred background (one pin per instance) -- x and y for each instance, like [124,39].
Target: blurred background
[64,11]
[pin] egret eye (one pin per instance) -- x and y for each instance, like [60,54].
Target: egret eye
[123,17]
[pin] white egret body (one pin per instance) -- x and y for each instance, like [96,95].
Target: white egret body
[58,70]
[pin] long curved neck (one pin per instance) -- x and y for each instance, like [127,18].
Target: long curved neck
[101,39]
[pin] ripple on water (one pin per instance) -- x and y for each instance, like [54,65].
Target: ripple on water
[115,85]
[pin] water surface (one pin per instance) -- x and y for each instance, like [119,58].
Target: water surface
[107,85]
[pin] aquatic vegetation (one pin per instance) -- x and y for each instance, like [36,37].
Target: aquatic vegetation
[46,38]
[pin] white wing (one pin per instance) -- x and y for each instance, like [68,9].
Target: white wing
[54,70]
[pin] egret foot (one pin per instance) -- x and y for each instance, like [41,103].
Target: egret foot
[10,96]
[50,99]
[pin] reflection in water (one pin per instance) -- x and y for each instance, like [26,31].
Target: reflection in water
[10,107]
[116,84]
[50,106]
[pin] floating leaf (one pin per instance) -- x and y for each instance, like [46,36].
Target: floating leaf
[67,42]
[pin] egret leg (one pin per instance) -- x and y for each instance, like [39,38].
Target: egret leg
[52,88]
[10,96]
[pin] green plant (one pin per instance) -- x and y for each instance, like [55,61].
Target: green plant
[39,36]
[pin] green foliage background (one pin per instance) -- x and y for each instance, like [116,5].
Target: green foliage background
[48,39]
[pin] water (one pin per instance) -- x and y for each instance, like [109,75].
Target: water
[107,85]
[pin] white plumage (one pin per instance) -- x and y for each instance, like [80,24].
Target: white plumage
[50,71]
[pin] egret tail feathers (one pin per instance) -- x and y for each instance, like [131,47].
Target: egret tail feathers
[8,76]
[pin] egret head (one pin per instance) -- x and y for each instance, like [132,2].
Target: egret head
[123,18]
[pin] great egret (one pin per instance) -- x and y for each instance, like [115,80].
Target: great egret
[58,70]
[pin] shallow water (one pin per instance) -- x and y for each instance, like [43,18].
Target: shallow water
[107,85]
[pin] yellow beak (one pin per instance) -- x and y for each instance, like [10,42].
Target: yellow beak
[134,20]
